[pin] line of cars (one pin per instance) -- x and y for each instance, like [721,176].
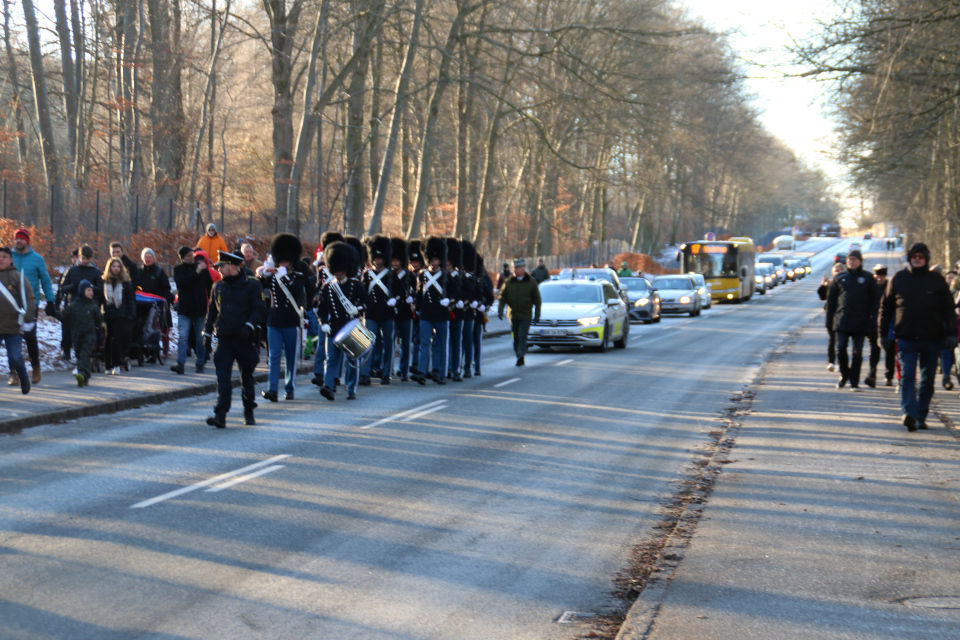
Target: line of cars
[773,269]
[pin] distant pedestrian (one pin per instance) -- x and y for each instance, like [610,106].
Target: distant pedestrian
[876,348]
[822,290]
[503,277]
[154,280]
[918,305]
[86,320]
[541,273]
[18,314]
[32,265]
[118,251]
[521,295]
[212,242]
[851,309]
[625,271]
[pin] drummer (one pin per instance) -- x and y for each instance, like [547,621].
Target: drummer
[323,276]
[339,303]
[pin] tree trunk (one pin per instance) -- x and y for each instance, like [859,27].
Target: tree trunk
[169,144]
[48,146]
[354,141]
[16,99]
[70,87]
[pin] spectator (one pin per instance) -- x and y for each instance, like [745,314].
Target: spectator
[32,265]
[541,273]
[522,295]
[154,280]
[250,257]
[917,304]
[119,313]
[624,270]
[193,291]
[85,320]
[212,242]
[503,277]
[117,251]
[18,314]
[851,309]
[836,270]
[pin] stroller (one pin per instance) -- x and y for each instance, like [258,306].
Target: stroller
[149,329]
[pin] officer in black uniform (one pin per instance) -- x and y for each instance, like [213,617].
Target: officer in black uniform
[237,311]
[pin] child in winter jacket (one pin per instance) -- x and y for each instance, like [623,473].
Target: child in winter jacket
[85,320]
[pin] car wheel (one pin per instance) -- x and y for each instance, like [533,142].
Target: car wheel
[622,342]
[693,313]
[763,291]
[605,345]
[659,315]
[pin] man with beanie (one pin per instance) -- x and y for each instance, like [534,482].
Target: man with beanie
[521,295]
[18,315]
[32,265]
[851,309]
[193,291]
[918,306]
[541,273]
[212,242]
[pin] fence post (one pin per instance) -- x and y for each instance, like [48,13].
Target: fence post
[170,222]
[136,213]
[98,213]
[4,197]
[222,228]
[52,188]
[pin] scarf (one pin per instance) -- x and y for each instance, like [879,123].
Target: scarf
[114,293]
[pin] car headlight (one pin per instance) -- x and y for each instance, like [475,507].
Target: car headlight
[790,274]
[779,271]
[808,269]
[685,300]
[588,321]
[641,302]
[701,291]
[768,278]
[759,279]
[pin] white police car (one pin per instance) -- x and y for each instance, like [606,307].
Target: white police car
[580,312]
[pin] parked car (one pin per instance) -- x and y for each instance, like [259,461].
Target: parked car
[868,236]
[580,312]
[643,300]
[678,294]
[703,289]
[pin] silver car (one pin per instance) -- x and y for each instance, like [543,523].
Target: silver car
[678,294]
[704,289]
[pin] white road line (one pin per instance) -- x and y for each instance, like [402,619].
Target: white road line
[402,414]
[249,476]
[563,362]
[424,412]
[505,382]
[207,483]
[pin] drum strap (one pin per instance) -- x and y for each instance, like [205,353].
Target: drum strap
[376,280]
[348,306]
[433,280]
[13,303]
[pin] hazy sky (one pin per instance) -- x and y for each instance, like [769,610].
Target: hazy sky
[762,32]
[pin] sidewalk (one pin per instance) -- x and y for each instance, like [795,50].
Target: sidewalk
[828,521]
[58,399]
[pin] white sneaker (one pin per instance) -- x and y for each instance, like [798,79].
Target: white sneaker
[74,372]
[116,371]
[108,372]
[831,366]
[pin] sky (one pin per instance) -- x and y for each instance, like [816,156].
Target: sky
[792,109]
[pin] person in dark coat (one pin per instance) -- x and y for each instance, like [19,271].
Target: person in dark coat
[918,306]
[287,288]
[851,309]
[194,283]
[880,275]
[236,312]
[486,299]
[415,259]
[822,291]
[85,320]
[404,323]
[433,309]
[458,302]
[119,313]
[82,269]
[154,280]
[471,298]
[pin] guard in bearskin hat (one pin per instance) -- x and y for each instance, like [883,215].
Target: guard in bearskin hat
[405,315]
[236,313]
[485,297]
[433,309]
[455,291]
[340,300]
[471,299]
[381,285]
[415,258]
[289,289]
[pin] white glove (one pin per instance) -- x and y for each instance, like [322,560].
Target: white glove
[392,302]
[459,304]
[445,302]
[473,305]
[409,299]
[29,326]
[483,307]
[282,271]
[325,328]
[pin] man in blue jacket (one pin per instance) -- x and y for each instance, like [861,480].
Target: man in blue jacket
[32,265]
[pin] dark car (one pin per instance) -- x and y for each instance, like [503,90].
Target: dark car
[643,300]
[841,257]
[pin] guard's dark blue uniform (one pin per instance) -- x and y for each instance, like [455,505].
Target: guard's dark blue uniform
[237,310]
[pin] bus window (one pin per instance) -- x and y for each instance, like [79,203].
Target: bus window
[712,264]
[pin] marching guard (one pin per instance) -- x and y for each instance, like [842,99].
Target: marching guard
[456,293]
[485,295]
[236,312]
[323,276]
[415,257]
[405,316]
[471,297]
[381,286]
[433,309]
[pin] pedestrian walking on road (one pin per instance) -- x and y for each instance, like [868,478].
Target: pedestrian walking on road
[822,290]
[876,348]
[521,295]
[32,265]
[18,314]
[237,311]
[918,305]
[851,308]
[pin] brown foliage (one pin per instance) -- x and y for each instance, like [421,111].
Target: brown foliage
[641,262]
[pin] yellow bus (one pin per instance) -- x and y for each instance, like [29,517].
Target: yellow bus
[726,265]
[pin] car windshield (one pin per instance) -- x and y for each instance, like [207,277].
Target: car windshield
[636,285]
[674,283]
[777,260]
[587,273]
[567,293]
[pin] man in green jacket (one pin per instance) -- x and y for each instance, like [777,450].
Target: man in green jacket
[521,294]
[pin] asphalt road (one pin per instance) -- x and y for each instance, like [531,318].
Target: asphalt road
[482,510]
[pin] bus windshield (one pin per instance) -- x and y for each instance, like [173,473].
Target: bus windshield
[713,261]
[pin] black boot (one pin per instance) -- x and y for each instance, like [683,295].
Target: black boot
[364,381]
[270,395]
[248,417]
[871,379]
[218,420]
[327,392]
[520,361]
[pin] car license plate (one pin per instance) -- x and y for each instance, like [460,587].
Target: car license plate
[553,332]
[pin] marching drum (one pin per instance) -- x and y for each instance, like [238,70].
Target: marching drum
[354,339]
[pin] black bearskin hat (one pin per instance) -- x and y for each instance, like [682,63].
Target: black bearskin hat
[434,248]
[415,251]
[361,250]
[398,251]
[469,257]
[329,237]
[341,257]
[379,246]
[286,247]
[454,253]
